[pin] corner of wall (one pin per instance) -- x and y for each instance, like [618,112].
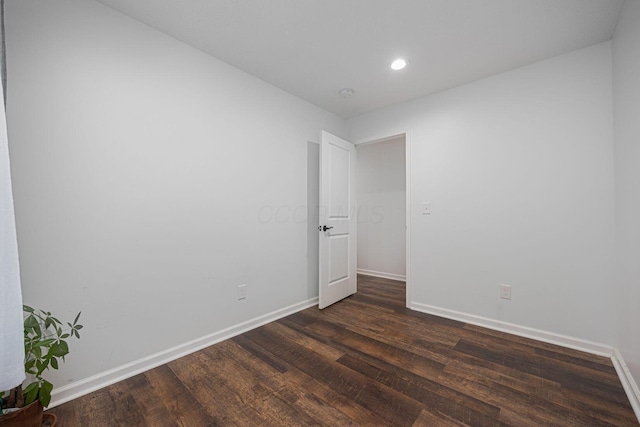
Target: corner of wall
[628,382]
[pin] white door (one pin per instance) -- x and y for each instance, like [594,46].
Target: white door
[337,219]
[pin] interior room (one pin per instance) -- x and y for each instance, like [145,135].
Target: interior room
[165,177]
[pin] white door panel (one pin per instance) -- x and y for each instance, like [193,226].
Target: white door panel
[337,219]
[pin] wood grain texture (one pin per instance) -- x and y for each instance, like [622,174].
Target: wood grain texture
[366,360]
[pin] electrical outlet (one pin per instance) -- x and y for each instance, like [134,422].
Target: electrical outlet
[505,291]
[242,291]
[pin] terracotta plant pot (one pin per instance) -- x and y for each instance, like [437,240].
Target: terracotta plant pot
[49,420]
[29,416]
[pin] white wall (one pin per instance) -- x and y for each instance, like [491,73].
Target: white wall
[313,216]
[147,179]
[518,168]
[381,184]
[626,69]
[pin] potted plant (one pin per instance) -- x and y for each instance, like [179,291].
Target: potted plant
[45,345]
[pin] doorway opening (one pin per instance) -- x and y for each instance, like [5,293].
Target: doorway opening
[382,197]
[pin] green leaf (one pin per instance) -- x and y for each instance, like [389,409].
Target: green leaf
[30,387]
[30,321]
[62,350]
[45,393]
[30,393]
[54,363]
[44,343]
[78,327]
[64,336]
[53,349]
[42,366]
[37,352]
[27,309]
[75,321]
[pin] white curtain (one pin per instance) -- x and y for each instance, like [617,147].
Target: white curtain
[11,330]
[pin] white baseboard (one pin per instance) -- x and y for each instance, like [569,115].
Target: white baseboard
[85,386]
[627,380]
[383,275]
[522,331]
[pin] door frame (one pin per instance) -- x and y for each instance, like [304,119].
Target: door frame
[386,136]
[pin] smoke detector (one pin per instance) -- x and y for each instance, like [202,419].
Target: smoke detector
[346,92]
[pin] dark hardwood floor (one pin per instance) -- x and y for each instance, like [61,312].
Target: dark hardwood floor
[366,360]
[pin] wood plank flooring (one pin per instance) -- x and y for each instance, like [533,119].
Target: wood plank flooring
[366,360]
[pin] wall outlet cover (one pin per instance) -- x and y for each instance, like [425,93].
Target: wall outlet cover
[505,291]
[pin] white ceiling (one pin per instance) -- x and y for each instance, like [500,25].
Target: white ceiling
[314,48]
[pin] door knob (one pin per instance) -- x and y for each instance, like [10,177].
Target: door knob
[325,228]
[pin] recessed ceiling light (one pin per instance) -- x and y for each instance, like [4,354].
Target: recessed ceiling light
[398,64]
